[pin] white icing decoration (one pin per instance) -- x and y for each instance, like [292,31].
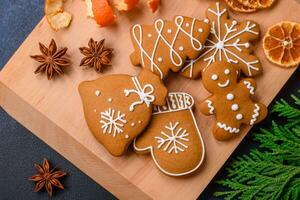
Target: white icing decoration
[112,121]
[145,93]
[226,71]
[180,48]
[249,87]
[132,124]
[174,55]
[228,128]
[187,24]
[95,110]
[223,85]
[222,48]
[97,93]
[235,107]
[255,115]
[173,139]
[214,77]
[126,136]
[230,96]
[169,31]
[210,106]
[149,35]
[109,100]
[200,30]
[139,121]
[239,116]
[160,59]
[206,21]
[188,103]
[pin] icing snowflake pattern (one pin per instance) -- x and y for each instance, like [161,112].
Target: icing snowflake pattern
[174,55]
[172,141]
[219,46]
[112,122]
[145,93]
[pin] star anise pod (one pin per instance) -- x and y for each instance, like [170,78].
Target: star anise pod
[96,55]
[47,178]
[52,61]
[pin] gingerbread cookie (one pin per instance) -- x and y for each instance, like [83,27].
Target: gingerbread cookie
[117,108]
[230,100]
[229,41]
[166,45]
[173,137]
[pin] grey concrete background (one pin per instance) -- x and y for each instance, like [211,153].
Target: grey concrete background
[19,149]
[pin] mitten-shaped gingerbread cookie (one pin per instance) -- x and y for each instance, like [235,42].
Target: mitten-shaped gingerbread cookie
[173,137]
[117,108]
[229,41]
[230,101]
[166,45]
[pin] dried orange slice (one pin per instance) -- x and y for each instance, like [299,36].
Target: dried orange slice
[257,3]
[282,44]
[55,14]
[239,7]
[153,5]
[103,13]
[125,5]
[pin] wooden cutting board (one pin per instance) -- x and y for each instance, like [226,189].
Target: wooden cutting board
[52,109]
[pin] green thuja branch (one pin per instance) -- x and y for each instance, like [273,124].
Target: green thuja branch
[271,171]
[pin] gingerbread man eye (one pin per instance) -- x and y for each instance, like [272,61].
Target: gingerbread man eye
[214,77]
[226,71]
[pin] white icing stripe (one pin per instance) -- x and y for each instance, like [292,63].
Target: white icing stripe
[249,87]
[228,128]
[174,55]
[144,95]
[224,43]
[255,114]
[210,106]
[223,85]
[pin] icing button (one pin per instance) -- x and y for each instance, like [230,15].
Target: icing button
[200,30]
[159,59]
[230,96]
[234,107]
[149,35]
[169,31]
[110,100]
[97,93]
[132,124]
[126,136]
[239,116]
[181,48]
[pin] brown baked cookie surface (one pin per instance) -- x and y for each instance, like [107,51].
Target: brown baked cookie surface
[230,101]
[172,137]
[117,108]
[166,45]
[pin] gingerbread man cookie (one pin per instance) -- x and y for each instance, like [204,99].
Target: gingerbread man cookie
[228,41]
[166,45]
[117,108]
[230,101]
[172,137]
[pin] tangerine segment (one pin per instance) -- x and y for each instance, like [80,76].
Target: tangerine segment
[239,7]
[282,44]
[257,3]
[103,13]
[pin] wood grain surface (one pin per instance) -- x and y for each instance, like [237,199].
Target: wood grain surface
[52,109]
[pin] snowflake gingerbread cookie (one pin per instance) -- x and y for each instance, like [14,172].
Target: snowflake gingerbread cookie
[166,45]
[173,138]
[117,108]
[228,41]
[230,101]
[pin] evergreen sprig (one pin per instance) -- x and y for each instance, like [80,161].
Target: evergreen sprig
[271,171]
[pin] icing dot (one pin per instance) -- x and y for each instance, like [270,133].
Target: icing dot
[159,59]
[139,121]
[95,110]
[187,24]
[200,30]
[239,116]
[234,22]
[247,45]
[97,93]
[234,107]
[226,71]
[206,21]
[149,35]
[214,77]
[132,124]
[230,96]
[109,99]
[181,48]
[169,31]
[126,136]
